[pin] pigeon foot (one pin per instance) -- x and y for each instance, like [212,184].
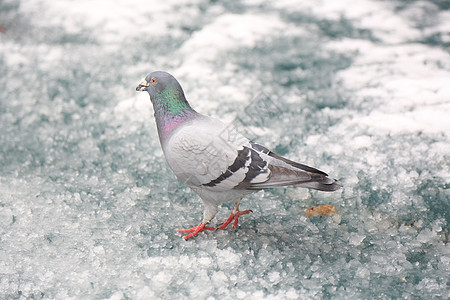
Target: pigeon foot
[194,230]
[235,213]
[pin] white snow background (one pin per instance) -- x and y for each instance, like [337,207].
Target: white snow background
[360,90]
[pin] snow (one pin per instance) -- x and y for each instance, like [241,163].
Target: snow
[89,208]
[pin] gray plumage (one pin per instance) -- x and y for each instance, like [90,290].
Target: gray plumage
[214,160]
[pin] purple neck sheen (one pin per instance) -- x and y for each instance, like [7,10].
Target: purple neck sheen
[171,109]
[166,123]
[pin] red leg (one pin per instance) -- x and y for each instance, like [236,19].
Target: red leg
[235,213]
[194,230]
[236,218]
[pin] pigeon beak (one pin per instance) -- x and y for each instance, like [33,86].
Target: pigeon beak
[142,86]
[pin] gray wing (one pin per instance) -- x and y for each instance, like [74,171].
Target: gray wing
[283,172]
[208,154]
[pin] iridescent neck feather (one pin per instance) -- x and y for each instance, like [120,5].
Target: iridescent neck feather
[171,109]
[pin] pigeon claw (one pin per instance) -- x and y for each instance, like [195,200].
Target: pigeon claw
[194,230]
[233,216]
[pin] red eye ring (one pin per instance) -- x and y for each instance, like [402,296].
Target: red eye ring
[154,80]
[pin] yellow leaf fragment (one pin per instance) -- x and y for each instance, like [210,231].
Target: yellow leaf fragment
[320,210]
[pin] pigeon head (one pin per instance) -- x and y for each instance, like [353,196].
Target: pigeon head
[159,82]
[165,92]
[169,103]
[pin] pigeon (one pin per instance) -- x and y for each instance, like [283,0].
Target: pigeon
[216,161]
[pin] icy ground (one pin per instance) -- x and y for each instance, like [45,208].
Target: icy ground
[359,89]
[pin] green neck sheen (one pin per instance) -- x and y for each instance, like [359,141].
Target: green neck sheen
[171,102]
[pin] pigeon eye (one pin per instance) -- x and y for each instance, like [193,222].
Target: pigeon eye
[154,81]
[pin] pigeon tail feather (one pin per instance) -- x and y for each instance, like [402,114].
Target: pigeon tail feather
[330,185]
[283,176]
